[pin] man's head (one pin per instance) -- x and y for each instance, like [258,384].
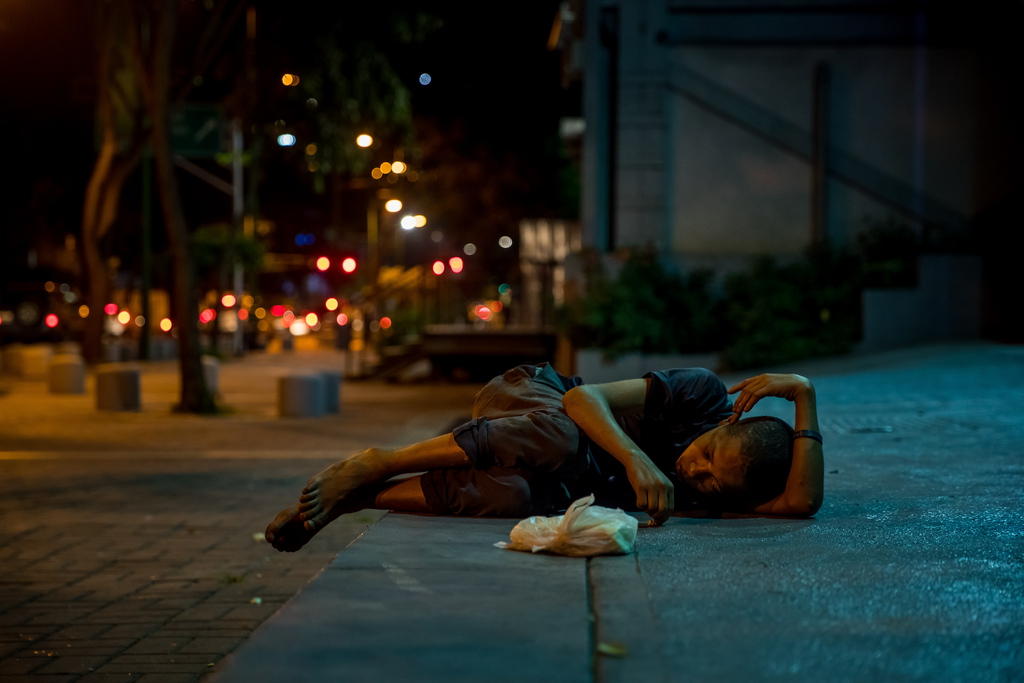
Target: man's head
[740,465]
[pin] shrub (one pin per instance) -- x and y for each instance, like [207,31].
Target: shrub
[778,313]
[646,307]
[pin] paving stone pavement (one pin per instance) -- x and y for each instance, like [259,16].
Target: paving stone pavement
[131,544]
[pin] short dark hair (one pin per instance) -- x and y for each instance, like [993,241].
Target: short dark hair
[767,446]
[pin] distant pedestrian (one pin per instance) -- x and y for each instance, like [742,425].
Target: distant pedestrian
[537,439]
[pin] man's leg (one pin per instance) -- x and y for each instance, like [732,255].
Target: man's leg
[336,489]
[324,497]
[403,495]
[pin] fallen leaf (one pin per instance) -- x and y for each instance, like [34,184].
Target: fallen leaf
[612,649]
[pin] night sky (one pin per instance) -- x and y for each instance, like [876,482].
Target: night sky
[489,116]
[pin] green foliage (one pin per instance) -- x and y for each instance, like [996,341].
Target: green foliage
[216,245]
[356,88]
[888,249]
[646,308]
[768,314]
[407,324]
[777,313]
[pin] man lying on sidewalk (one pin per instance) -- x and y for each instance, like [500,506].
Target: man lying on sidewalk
[669,440]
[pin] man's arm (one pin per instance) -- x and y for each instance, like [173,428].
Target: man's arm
[591,407]
[805,488]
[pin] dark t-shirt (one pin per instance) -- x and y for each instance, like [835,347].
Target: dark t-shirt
[680,405]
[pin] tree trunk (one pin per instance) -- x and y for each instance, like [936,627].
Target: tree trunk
[195,396]
[92,259]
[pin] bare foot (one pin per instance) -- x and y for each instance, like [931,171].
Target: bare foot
[286,531]
[333,491]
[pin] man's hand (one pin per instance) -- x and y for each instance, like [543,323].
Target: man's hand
[753,389]
[655,494]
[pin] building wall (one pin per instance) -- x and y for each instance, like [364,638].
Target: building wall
[707,149]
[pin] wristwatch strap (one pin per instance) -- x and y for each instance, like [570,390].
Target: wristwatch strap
[809,434]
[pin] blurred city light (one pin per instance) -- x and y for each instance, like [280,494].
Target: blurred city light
[50,286]
[288,318]
[385,323]
[469,249]
[376,174]
[260,313]
[331,304]
[83,311]
[243,314]
[393,205]
[438,267]
[290,79]
[166,324]
[482,312]
[305,239]
[495,306]
[504,288]
[124,317]
[286,140]
[408,222]
[357,324]
[298,328]
[455,263]
[140,320]
[398,167]
[342,319]
[364,139]
[312,319]
[110,309]
[277,310]
[385,167]
[420,220]
[348,264]
[504,241]
[311,149]
[425,79]
[228,300]
[51,320]
[323,263]
[205,316]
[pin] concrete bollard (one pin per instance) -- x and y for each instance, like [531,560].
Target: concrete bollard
[300,396]
[66,374]
[118,387]
[68,347]
[332,391]
[12,358]
[211,373]
[35,361]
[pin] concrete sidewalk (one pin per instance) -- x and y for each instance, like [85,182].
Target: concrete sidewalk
[912,570]
[131,543]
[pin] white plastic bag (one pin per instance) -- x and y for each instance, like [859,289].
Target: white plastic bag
[584,530]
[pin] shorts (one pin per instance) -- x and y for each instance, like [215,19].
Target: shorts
[526,453]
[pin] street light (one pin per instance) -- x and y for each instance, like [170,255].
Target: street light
[398,167]
[364,139]
[393,205]
[408,222]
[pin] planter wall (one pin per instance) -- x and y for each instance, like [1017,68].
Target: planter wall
[593,368]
